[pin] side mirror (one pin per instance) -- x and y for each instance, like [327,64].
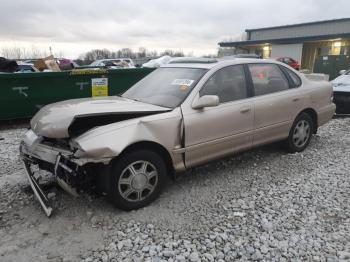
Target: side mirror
[205,101]
[342,72]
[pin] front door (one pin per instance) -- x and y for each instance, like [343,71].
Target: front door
[213,132]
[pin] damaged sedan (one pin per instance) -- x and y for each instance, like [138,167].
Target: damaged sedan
[179,116]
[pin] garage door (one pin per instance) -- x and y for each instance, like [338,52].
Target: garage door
[294,51]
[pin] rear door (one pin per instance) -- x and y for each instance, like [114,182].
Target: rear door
[276,102]
[213,132]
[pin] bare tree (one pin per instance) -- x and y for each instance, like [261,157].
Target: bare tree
[127,52]
[142,52]
[170,52]
[96,54]
[13,52]
[153,53]
[20,52]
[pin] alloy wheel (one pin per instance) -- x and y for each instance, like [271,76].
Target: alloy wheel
[137,181]
[301,133]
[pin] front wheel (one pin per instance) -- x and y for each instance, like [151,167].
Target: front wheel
[300,134]
[136,179]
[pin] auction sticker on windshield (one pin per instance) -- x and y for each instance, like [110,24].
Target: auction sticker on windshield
[182,82]
[99,87]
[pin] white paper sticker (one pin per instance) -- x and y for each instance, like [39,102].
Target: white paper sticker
[182,82]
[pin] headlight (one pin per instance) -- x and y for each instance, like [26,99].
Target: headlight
[78,151]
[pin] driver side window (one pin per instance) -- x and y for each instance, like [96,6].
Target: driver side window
[227,83]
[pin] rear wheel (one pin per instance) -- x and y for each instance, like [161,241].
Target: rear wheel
[136,179]
[300,134]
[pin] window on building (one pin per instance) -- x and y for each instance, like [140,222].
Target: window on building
[345,50]
[267,79]
[228,84]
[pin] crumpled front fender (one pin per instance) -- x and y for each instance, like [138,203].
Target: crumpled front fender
[110,140]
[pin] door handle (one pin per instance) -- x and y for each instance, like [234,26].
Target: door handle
[296,99]
[245,110]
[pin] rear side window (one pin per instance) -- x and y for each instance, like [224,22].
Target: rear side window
[296,81]
[227,83]
[267,79]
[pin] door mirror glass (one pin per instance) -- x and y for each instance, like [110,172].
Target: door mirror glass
[342,72]
[206,101]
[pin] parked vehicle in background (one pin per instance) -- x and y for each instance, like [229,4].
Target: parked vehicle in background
[7,65]
[179,116]
[187,60]
[341,92]
[289,61]
[158,62]
[229,57]
[66,64]
[29,61]
[116,63]
[26,68]
[164,60]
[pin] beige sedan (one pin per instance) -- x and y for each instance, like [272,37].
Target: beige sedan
[181,115]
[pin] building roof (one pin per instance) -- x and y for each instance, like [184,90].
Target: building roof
[295,33]
[299,24]
[291,40]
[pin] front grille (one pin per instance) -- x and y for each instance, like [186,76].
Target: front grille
[57,143]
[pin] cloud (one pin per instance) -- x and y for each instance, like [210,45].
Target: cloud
[75,26]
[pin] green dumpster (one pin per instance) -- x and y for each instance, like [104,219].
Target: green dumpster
[331,65]
[23,94]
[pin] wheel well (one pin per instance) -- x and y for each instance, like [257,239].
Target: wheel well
[156,148]
[311,112]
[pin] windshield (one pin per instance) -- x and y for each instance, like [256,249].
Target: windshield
[167,87]
[95,63]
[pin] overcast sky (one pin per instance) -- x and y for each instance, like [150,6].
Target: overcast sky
[76,26]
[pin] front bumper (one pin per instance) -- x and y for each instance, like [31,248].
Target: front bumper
[342,100]
[33,152]
[38,192]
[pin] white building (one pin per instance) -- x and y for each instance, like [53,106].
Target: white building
[303,42]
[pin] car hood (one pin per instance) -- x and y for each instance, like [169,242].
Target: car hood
[76,116]
[341,88]
[341,83]
[341,80]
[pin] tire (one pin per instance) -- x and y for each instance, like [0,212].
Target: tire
[300,134]
[136,179]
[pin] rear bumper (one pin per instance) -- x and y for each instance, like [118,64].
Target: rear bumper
[326,114]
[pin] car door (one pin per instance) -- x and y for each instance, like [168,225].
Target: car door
[213,132]
[276,102]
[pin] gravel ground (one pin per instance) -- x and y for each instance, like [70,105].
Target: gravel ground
[264,204]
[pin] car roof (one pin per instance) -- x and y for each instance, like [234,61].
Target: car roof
[233,61]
